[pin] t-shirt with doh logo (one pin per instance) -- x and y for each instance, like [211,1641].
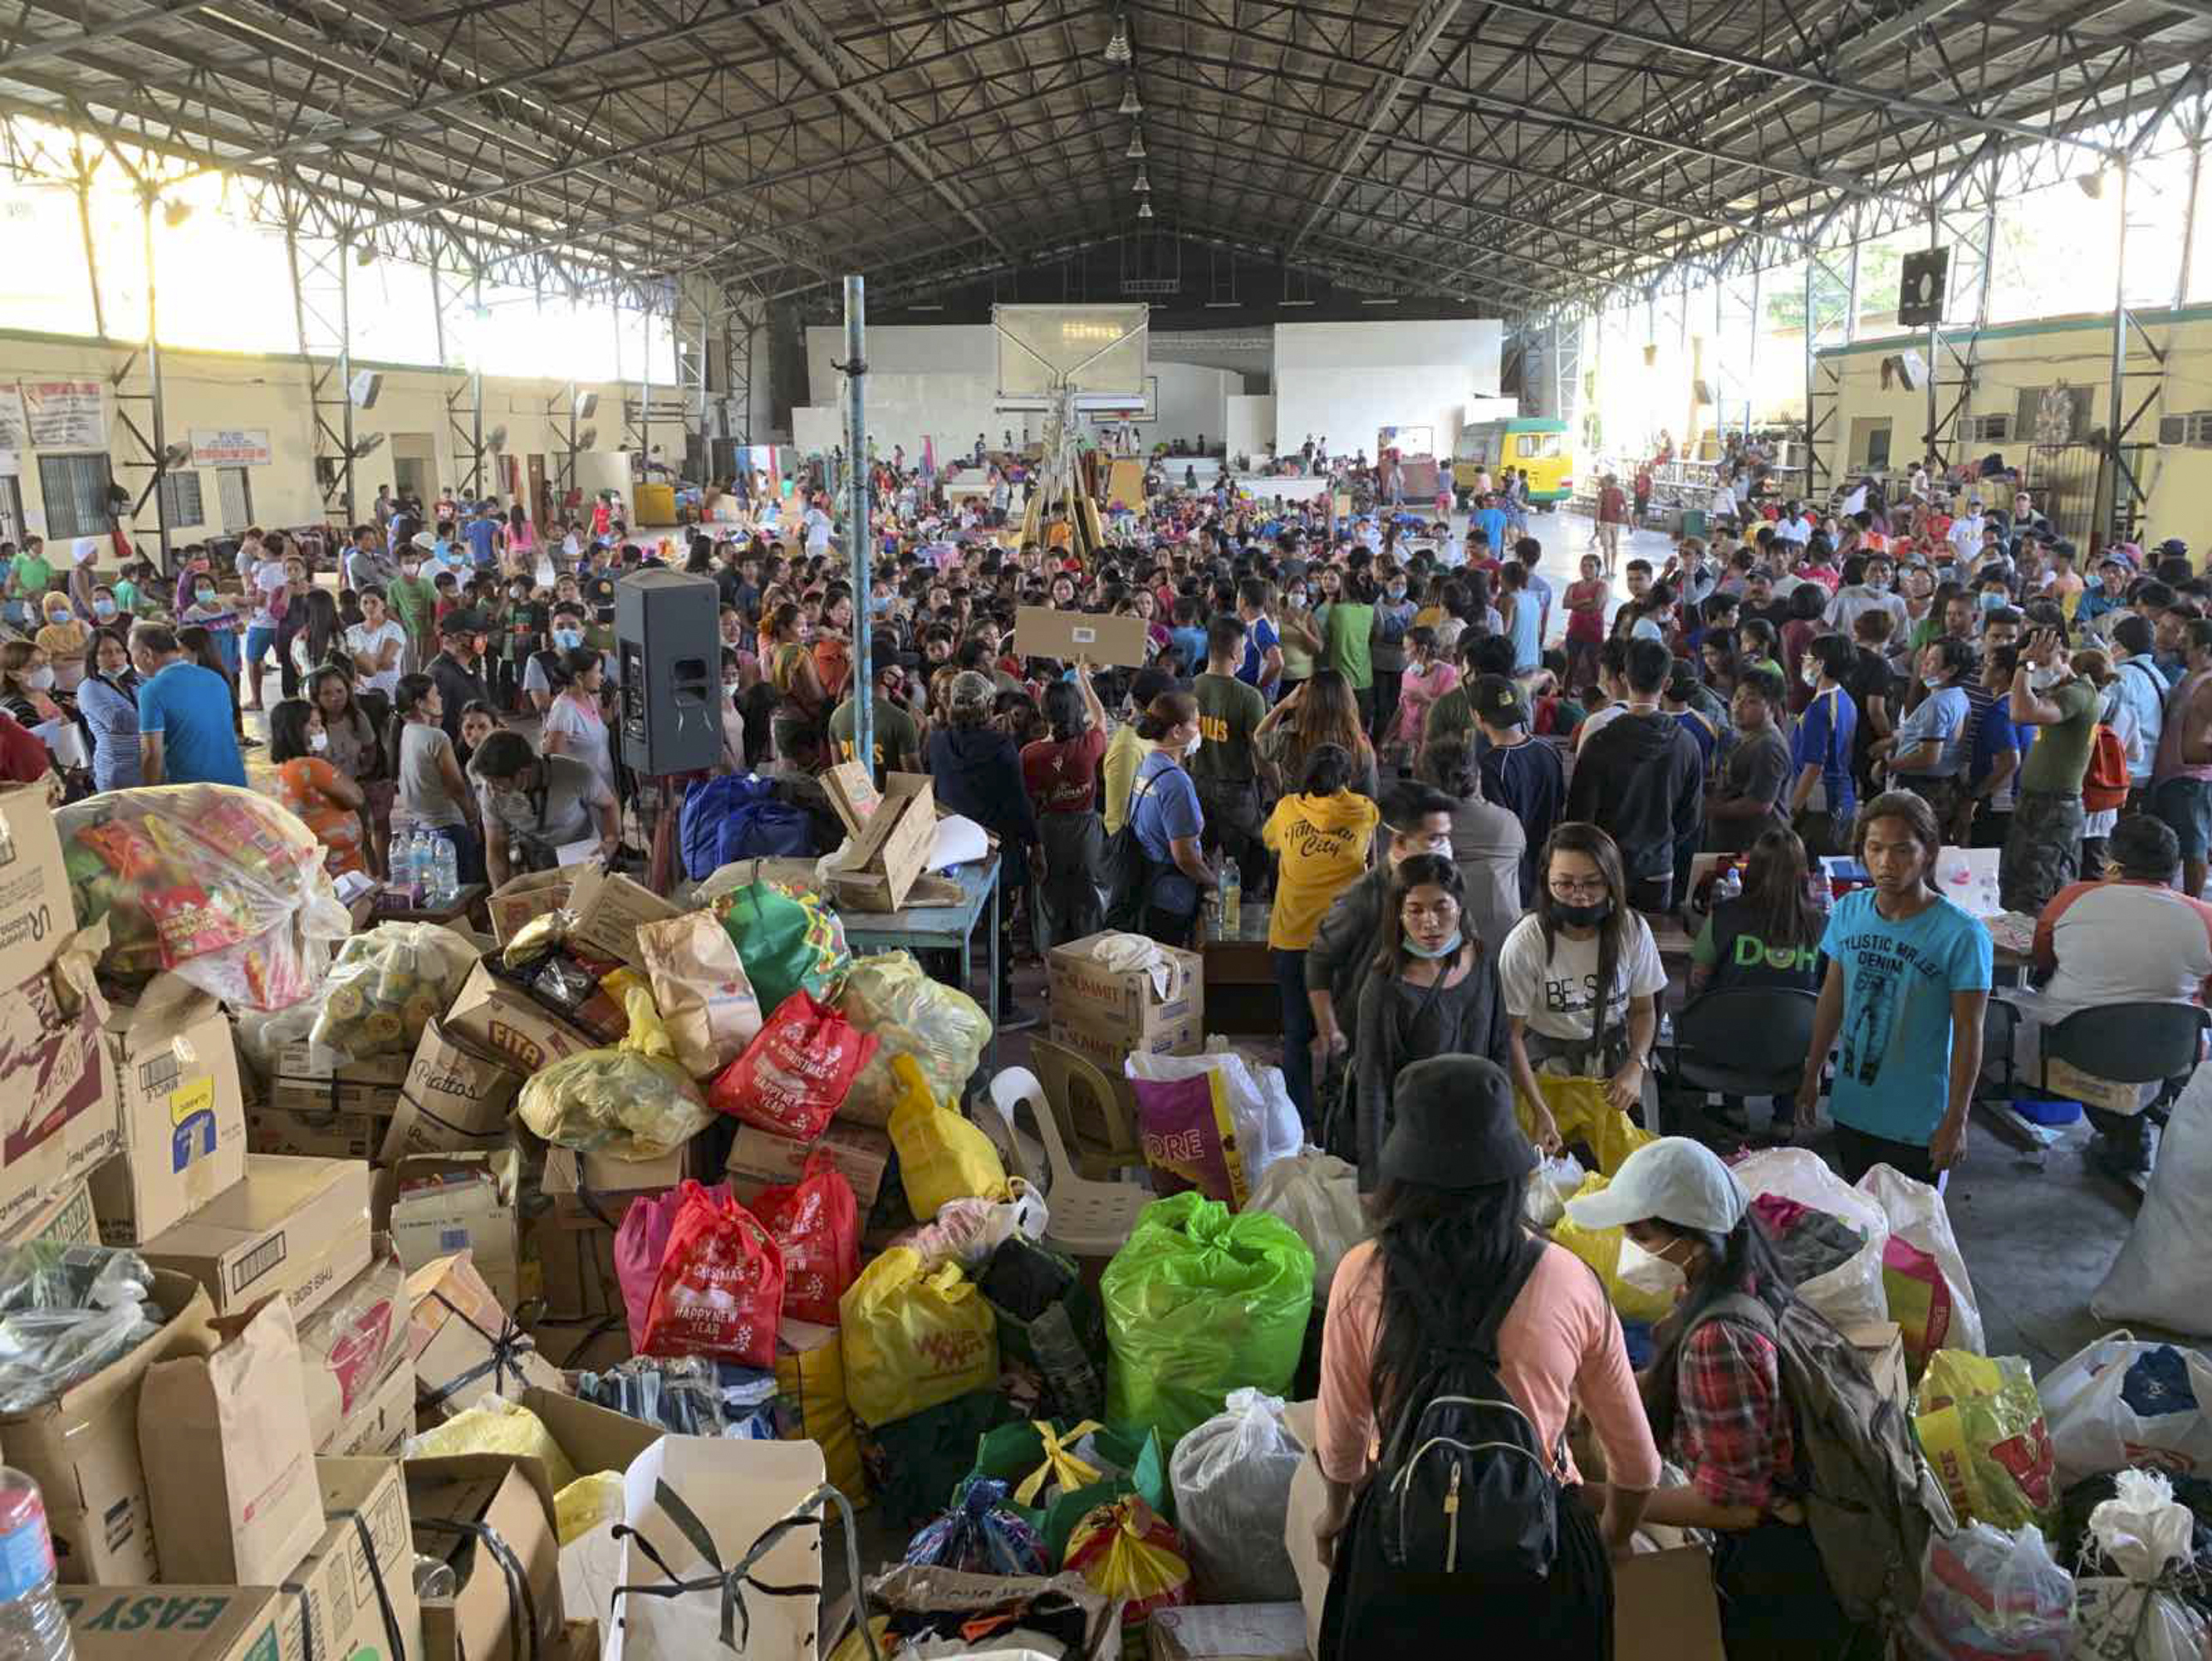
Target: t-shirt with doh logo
[1554,993]
[1322,843]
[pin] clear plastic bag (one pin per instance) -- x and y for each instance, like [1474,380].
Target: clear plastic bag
[222,886]
[65,1312]
[385,986]
[1986,1594]
[1318,1195]
[967,1231]
[887,994]
[1232,1478]
[1550,1186]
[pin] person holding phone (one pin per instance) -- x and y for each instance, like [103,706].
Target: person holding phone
[2043,844]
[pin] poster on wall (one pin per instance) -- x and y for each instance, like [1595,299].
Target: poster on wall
[14,431]
[65,414]
[230,446]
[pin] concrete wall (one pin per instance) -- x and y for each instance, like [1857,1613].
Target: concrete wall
[1251,427]
[1348,380]
[2076,351]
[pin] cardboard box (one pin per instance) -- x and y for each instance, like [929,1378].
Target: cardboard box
[518,898]
[1229,1631]
[606,908]
[172,1623]
[501,1019]
[307,1080]
[57,1080]
[893,832]
[36,911]
[485,1619]
[230,1466]
[577,1264]
[1665,1608]
[349,1345]
[382,1424]
[760,1159]
[1107,1053]
[1066,636]
[294,1226]
[82,1447]
[568,1171]
[67,1219]
[457,1096]
[465,1343]
[319,1135]
[594,1439]
[181,1117]
[449,1202]
[1124,1003]
[368,1541]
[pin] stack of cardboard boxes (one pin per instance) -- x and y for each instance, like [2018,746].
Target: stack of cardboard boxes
[1106,1015]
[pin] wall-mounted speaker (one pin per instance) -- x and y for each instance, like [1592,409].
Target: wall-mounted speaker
[364,388]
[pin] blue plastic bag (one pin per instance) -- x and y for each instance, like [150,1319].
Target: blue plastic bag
[739,817]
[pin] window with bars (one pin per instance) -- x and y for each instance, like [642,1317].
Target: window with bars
[75,489]
[180,499]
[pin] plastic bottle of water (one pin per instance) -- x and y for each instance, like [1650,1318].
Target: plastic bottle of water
[1232,900]
[32,1626]
[404,866]
[446,866]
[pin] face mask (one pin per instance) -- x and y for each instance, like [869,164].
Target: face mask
[510,804]
[1188,749]
[568,639]
[1447,949]
[2043,679]
[1396,591]
[1810,675]
[1583,917]
[204,596]
[60,614]
[1650,1272]
[318,741]
[1879,584]
[1991,602]
[880,604]
[103,608]
[1297,596]
[409,571]
[38,680]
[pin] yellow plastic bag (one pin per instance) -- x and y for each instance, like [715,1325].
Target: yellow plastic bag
[1584,1114]
[1601,1248]
[587,1502]
[497,1426]
[942,1157]
[1981,1424]
[634,1101]
[810,1407]
[1129,1551]
[914,1338]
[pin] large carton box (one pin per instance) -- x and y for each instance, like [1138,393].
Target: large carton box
[518,898]
[449,1202]
[1665,1608]
[307,1080]
[36,911]
[56,1079]
[349,1346]
[1229,1632]
[455,1505]
[892,833]
[319,1135]
[1124,1003]
[456,1097]
[569,1175]
[465,1343]
[760,1159]
[67,1219]
[500,1019]
[82,1447]
[354,1594]
[1107,1052]
[173,1623]
[181,1114]
[294,1226]
[606,906]
[576,1258]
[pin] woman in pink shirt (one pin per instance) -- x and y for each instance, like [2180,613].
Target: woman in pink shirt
[1451,1264]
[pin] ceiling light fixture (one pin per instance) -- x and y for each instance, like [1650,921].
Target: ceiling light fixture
[1117,48]
[1144,185]
[1143,210]
[1136,150]
[1131,104]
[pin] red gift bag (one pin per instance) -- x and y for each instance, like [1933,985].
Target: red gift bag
[794,1076]
[721,1290]
[816,1223]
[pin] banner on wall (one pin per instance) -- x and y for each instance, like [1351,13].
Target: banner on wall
[65,414]
[230,446]
[14,431]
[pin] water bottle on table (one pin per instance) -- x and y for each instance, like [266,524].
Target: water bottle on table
[1232,900]
[446,868]
[32,1626]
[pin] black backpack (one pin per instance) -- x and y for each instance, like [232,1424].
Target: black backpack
[1464,1485]
[1128,868]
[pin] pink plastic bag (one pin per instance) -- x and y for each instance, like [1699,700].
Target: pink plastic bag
[640,1245]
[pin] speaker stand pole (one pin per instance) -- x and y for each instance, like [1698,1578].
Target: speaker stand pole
[863,681]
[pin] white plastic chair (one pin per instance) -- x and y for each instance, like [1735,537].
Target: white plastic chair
[1088,1218]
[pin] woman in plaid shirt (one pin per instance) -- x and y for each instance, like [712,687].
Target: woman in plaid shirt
[1717,1409]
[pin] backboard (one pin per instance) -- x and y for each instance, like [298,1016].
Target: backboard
[1099,351]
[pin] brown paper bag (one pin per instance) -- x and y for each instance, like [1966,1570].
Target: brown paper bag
[706,1000]
[230,1462]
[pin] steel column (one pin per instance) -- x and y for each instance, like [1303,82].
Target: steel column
[856,523]
[322,303]
[458,316]
[161,441]
[1832,306]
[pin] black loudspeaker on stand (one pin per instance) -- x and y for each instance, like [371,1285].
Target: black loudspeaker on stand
[668,643]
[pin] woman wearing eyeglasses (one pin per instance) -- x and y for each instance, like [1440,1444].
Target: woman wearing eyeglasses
[1582,935]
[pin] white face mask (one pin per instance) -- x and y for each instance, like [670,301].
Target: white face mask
[40,679]
[1649,1272]
[1188,749]
[318,741]
[2044,679]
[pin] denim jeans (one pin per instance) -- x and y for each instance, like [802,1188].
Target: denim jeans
[1297,1030]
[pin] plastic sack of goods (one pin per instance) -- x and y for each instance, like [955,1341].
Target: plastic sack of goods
[887,995]
[634,1101]
[222,886]
[65,1312]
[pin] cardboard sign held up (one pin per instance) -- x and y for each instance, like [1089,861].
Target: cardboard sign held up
[1041,632]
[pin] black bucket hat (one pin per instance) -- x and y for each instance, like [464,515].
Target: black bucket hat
[1455,1125]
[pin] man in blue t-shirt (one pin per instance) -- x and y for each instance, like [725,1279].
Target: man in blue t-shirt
[1490,519]
[483,536]
[1907,982]
[187,729]
[1262,667]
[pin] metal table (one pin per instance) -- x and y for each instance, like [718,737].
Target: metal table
[941,927]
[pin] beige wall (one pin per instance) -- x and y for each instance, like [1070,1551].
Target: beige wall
[218,389]
[2076,351]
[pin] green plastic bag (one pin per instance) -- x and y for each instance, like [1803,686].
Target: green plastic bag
[914,1463]
[1127,1462]
[787,938]
[1198,1302]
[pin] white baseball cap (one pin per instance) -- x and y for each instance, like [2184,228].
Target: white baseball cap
[1673,1180]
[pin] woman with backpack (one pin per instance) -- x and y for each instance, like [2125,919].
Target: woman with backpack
[1454,1296]
[1720,1404]
[1157,864]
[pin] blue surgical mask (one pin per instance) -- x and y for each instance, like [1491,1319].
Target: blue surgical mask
[1992,602]
[568,639]
[204,596]
[1447,949]
[879,602]
[103,608]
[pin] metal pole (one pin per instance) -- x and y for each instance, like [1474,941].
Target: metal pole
[92,261]
[345,368]
[1934,333]
[154,370]
[2116,407]
[475,338]
[856,527]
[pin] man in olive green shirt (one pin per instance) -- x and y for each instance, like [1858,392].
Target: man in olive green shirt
[898,736]
[2043,844]
[1226,768]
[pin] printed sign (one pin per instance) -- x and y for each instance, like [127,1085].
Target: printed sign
[14,431]
[65,414]
[230,446]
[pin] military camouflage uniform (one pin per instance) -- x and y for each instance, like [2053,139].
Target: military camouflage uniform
[2042,851]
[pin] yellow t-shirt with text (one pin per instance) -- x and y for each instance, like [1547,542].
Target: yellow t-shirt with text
[1322,844]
